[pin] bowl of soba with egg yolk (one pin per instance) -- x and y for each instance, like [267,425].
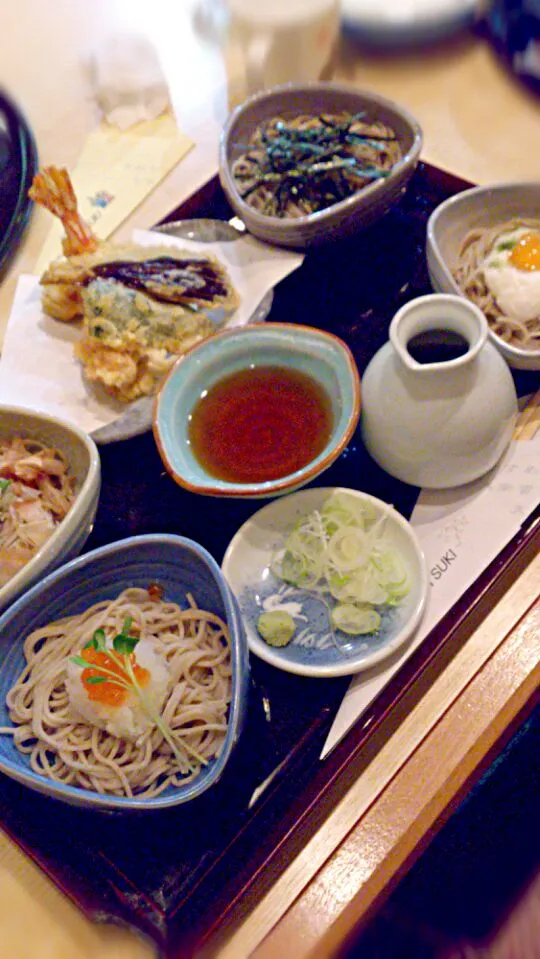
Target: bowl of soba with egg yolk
[124,677]
[257,411]
[484,244]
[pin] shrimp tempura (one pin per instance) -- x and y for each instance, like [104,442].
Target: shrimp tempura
[52,188]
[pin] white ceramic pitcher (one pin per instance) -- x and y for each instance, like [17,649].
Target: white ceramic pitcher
[438,400]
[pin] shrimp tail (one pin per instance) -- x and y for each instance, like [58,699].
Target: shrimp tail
[52,189]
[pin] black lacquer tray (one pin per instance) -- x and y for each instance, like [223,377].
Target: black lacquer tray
[18,164]
[185,876]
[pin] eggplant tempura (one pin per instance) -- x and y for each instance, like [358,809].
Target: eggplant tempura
[141,307]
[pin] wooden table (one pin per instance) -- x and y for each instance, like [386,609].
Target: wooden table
[478,123]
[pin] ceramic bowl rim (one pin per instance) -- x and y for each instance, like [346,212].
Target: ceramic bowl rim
[511,352]
[272,655]
[342,206]
[85,798]
[308,472]
[430,300]
[88,491]
[424,26]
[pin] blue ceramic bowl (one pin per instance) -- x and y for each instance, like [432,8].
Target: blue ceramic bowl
[322,356]
[179,565]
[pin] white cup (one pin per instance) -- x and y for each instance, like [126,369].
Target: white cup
[276,41]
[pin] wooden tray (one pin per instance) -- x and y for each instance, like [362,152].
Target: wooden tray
[185,876]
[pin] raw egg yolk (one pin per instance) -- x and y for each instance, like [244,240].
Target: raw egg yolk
[109,692]
[526,253]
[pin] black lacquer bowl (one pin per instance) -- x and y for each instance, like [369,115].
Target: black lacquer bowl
[18,164]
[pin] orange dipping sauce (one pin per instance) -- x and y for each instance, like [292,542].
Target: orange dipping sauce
[260,424]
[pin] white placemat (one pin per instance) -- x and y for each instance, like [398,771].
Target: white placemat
[461,531]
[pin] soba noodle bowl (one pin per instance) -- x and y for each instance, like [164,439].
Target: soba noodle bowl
[499,270]
[172,727]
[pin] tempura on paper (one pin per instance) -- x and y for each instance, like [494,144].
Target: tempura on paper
[141,307]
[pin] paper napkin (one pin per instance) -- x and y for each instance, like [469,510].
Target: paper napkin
[128,80]
[461,531]
[38,368]
[115,172]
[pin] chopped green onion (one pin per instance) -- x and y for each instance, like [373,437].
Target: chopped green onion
[340,553]
[355,620]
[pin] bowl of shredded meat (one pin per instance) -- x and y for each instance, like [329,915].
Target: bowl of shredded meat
[49,491]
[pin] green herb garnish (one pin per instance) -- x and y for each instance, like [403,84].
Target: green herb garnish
[311,166]
[97,641]
[123,646]
[123,642]
[79,661]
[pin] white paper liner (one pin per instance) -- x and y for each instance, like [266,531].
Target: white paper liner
[38,369]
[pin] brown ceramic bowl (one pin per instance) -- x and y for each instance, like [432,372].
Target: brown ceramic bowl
[340,219]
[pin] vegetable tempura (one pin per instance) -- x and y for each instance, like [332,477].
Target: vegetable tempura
[141,307]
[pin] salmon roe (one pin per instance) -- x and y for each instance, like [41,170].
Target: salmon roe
[109,693]
[526,253]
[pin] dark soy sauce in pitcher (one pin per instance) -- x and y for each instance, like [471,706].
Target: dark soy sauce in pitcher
[437,346]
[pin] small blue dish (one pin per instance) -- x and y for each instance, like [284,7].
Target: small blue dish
[180,566]
[325,358]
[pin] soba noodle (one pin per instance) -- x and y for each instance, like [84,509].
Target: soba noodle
[294,167]
[196,648]
[470,277]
